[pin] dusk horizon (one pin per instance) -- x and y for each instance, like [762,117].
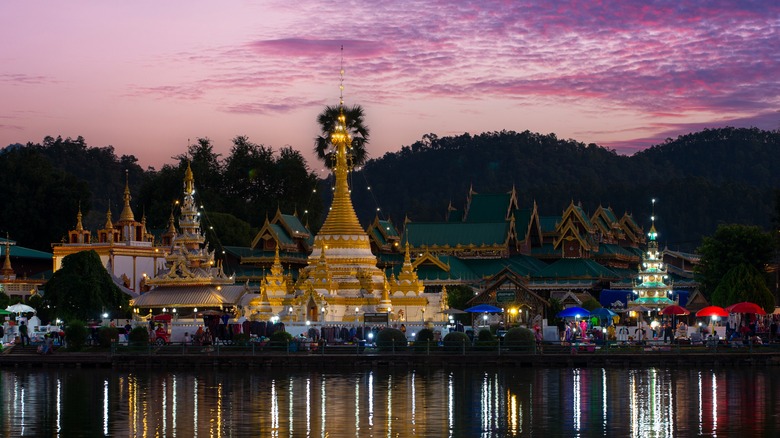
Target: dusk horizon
[147,77]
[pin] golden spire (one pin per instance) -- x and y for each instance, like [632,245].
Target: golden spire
[79,226]
[109,224]
[189,180]
[7,271]
[127,212]
[341,219]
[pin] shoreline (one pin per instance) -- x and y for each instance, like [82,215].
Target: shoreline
[367,359]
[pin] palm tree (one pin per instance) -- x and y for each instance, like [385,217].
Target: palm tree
[355,126]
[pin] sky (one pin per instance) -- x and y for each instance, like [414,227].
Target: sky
[147,76]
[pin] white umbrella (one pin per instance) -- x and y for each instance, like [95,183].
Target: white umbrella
[20,308]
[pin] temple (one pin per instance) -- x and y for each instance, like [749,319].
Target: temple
[190,278]
[125,247]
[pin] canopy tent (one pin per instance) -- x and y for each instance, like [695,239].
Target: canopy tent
[746,307]
[674,310]
[20,308]
[572,312]
[484,308]
[712,311]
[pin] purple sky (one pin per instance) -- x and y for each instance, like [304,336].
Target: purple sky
[144,76]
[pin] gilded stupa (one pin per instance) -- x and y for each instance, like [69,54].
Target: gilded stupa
[341,280]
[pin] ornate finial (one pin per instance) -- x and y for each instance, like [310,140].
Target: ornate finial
[7,271]
[127,212]
[189,180]
[79,226]
[341,79]
[109,224]
[653,234]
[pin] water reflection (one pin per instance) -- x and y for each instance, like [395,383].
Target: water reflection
[486,403]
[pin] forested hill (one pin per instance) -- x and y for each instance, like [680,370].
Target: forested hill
[699,180]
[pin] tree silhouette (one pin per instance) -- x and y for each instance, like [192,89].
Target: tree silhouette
[355,127]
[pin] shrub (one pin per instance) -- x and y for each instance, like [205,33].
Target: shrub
[138,336]
[390,339]
[454,341]
[519,339]
[424,339]
[75,334]
[485,335]
[280,340]
[107,335]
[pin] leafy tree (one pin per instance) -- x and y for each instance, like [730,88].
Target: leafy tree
[83,289]
[39,201]
[591,304]
[225,229]
[555,307]
[4,300]
[744,283]
[75,334]
[730,246]
[458,297]
[356,127]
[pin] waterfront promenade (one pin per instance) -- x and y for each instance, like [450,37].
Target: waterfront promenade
[357,356]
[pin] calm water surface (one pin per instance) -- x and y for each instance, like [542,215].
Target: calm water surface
[394,402]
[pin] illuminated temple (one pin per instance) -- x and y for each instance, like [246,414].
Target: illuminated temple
[341,280]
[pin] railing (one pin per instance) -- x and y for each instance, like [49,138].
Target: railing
[441,348]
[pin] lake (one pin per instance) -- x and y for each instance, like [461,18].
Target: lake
[458,402]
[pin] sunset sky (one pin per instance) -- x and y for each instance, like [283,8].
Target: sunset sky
[146,76]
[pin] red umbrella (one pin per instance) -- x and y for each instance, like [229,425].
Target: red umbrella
[745,307]
[712,311]
[674,310]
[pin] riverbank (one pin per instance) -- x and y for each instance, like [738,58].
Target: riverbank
[179,358]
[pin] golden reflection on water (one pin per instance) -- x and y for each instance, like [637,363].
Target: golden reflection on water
[388,402]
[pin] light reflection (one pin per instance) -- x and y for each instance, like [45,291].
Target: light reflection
[645,402]
[59,406]
[357,406]
[164,407]
[195,404]
[576,407]
[714,405]
[323,403]
[450,403]
[389,405]
[105,407]
[371,398]
[308,407]
[274,409]
[604,400]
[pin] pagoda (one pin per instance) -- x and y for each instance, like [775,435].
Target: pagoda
[341,279]
[651,290]
[191,278]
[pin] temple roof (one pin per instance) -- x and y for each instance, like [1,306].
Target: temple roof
[428,234]
[191,296]
[576,268]
[492,207]
[20,251]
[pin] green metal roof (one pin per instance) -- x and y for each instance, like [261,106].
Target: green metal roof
[610,214]
[607,249]
[388,228]
[22,252]
[576,268]
[490,207]
[456,233]
[585,218]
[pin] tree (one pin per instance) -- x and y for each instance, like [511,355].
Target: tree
[458,297]
[744,283]
[82,289]
[730,246]
[355,127]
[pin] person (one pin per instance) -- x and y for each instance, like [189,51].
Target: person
[611,335]
[403,328]
[186,338]
[23,337]
[128,328]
